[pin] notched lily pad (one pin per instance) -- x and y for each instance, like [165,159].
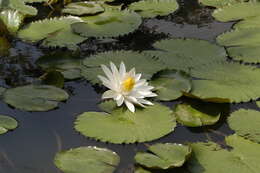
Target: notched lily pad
[83,8]
[87,160]
[164,156]
[111,23]
[123,126]
[142,63]
[192,117]
[170,85]
[35,97]
[153,8]
[246,124]
[7,123]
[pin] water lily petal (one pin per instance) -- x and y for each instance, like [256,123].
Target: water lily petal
[130,106]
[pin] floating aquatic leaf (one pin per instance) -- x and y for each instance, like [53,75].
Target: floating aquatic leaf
[183,55]
[245,123]
[55,32]
[107,106]
[54,78]
[87,160]
[251,22]
[20,6]
[12,20]
[123,126]
[237,11]
[142,63]
[192,117]
[7,123]
[34,97]
[220,3]
[243,157]
[110,23]
[67,64]
[83,8]
[34,1]
[164,156]
[153,8]
[2,90]
[242,44]
[141,170]
[170,85]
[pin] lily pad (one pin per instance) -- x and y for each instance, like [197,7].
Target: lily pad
[251,22]
[107,106]
[245,123]
[35,97]
[142,63]
[54,32]
[192,117]
[20,6]
[243,157]
[87,160]
[111,23]
[34,1]
[237,11]
[220,3]
[170,85]
[54,78]
[2,90]
[12,20]
[83,8]
[123,126]
[242,44]
[164,156]
[7,123]
[141,170]
[153,8]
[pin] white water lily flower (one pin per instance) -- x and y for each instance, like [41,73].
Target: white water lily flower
[126,87]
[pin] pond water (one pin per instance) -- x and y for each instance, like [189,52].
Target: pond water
[32,146]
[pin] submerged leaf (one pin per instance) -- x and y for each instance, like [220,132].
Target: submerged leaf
[34,97]
[237,11]
[246,124]
[7,123]
[54,78]
[164,156]
[123,126]
[192,117]
[243,157]
[83,8]
[170,85]
[142,63]
[111,23]
[87,160]
[12,20]
[153,8]
[55,32]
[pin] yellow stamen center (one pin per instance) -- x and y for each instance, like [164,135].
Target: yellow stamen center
[128,84]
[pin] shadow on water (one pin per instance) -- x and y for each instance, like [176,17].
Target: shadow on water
[33,145]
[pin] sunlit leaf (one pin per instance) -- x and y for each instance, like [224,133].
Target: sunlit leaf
[7,123]
[170,85]
[220,3]
[91,65]
[123,126]
[83,8]
[193,117]
[153,8]
[110,23]
[54,32]
[34,97]
[246,124]
[164,156]
[34,1]
[87,160]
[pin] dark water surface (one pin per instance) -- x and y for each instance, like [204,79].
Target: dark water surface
[32,146]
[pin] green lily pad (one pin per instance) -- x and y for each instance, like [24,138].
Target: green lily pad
[67,64]
[54,32]
[142,63]
[54,78]
[245,123]
[107,106]
[7,123]
[243,157]
[141,170]
[83,8]
[220,3]
[237,11]
[12,20]
[2,90]
[123,126]
[20,6]
[192,117]
[242,44]
[153,8]
[164,156]
[87,160]
[34,97]
[34,1]
[250,22]
[111,23]
[170,85]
